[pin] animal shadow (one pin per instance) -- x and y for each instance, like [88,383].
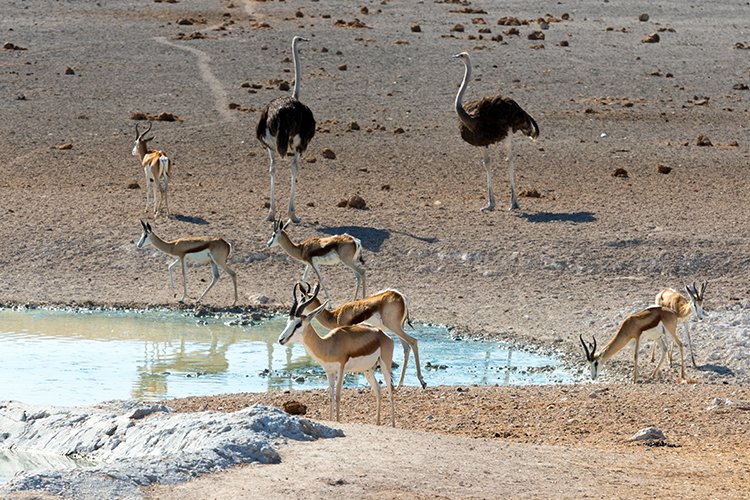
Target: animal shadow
[372,238]
[718,369]
[192,219]
[575,217]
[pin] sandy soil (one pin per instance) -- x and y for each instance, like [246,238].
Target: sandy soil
[575,260]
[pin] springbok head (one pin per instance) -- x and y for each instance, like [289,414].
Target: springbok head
[591,357]
[146,236]
[696,298]
[278,227]
[297,319]
[140,139]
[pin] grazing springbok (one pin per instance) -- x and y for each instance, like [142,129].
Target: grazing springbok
[651,323]
[355,348]
[674,300]
[157,168]
[198,249]
[317,251]
[387,309]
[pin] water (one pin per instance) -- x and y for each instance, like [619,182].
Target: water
[74,358]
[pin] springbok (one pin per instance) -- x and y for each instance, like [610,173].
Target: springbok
[386,309]
[322,251]
[199,249]
[674,300]
[651,323]
[354,348]
[157,168]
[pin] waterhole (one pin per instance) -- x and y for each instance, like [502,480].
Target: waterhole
[75,357]
[62,357]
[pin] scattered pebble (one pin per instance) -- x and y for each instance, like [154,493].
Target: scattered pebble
[354,201]
[458,28]
[398,130]
[647,434]
[620,172]
[69,71]
[185,22]
[663,169]
[12,46]
[133,185]
[643,17]
[65,146]
[328,154]
[530,193]
[536,35]
[415,28]
[702,140]
[342,67]
[352,126]
[652,38]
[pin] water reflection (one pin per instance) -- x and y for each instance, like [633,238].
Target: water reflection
[66,358]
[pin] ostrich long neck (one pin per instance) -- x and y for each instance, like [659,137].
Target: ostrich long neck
[465,117]
[297,71]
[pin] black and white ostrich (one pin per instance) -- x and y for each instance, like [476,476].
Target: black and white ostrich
[490,120]
[285,123]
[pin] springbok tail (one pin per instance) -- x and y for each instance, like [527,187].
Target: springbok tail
[163,166]
[407,317]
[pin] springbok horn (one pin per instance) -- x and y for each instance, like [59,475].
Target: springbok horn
[293,310]
[306,303]
[585,349]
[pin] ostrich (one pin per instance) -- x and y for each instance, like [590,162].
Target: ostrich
[284,124]
[489,120]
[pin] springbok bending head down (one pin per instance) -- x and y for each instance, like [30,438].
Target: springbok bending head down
[355,348]
[652,323]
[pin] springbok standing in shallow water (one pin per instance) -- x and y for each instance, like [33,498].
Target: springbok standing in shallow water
[157,168]
[357,348]
[489,120]
[386,309]
[284,124]
[650,324]
[322,251]
[199,249]
[674,300]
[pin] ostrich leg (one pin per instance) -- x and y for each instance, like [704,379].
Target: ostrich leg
[294,167]
[272,171]
[509,157]
[490,195]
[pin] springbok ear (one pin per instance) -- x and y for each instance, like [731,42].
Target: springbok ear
[143,225]
[148,139]
[148,227]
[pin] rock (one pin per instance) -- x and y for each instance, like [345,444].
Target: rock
[352,126]
[458,28]
[530,193]
[663,169]
[415,28]
[328,154]
[299,13]
[364,10]
[354,201]
[620,172]
[652,38]
[65,146]
[643,17]
[284,86]
[165,117]
[740,86]
[133,185]
[564,43]
[535,35]
[398,130]
[702,140]
[294,408]
[185,22]
[69,71]
[648,434]
[342,67]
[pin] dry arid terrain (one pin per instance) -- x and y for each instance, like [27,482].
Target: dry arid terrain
[586,248]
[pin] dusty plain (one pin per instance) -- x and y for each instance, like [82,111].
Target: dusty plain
[584,250]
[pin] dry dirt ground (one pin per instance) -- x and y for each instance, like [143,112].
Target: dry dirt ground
[575,259]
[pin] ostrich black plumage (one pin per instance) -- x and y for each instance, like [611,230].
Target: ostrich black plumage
[490,120]
[286,124]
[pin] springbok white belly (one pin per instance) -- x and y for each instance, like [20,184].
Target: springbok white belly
[650,335]
[198,257]
[328,259]
[355,365]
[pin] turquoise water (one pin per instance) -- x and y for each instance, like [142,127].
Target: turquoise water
[79,358]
